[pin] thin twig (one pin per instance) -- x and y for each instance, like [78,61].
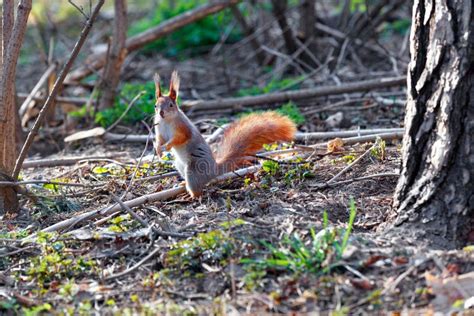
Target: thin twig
[133,268]
[159,176]
[352,164]
[80,9]
[17,183]
[372,176]
[56,88]
[66,161]
[281,162]
[129,106]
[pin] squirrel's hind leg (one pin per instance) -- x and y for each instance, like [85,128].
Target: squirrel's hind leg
[194,184]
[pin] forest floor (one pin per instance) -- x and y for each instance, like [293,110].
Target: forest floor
[269,242]
[282,239]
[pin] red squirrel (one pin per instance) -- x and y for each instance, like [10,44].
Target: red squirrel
[194,159]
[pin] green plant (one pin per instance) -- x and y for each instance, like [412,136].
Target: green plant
[17,234]
[293,112]
[144,107]
[204,32]
[211,248]
[270,167]
[349,158]
[379,149]
[298,172]
[121,223]
[54,263]
[233,223]
[37,310]
[299,255]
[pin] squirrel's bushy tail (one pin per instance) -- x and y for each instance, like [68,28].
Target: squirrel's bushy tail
[244,138]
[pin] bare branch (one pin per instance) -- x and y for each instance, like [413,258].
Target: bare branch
[57,86]
[80,9]
[294,95]
[37,87]
[98,60]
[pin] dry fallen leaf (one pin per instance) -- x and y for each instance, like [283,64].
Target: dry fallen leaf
[373,259]
[335,145]
[363,284]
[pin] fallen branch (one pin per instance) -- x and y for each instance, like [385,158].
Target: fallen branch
[144,223]
[73,100]
[97,61]
[346,141]
[62,161]
[364,139]
[159,196]
[145,199]
[352,164]
[216,134]
[359,132]
[133,138]
[278,97]
[369,177]
[37,87]
[56,88]
[158,176]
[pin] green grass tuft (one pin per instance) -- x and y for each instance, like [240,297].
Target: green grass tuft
[295,254]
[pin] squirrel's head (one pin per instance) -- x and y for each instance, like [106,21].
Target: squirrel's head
[166,106]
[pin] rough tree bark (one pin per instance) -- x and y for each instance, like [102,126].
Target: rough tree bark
[307,30]
[13,31]
[118,52]
[279,11]
[434,199]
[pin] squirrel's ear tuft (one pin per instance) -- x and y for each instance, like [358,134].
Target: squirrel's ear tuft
[174,86]
[156,78]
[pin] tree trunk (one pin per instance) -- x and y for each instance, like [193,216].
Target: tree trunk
[116,57]
[279,11]
[13,32]
[307,32]
[434,199]
[249,31]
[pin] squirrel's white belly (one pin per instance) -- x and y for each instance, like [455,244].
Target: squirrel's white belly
[181,154]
